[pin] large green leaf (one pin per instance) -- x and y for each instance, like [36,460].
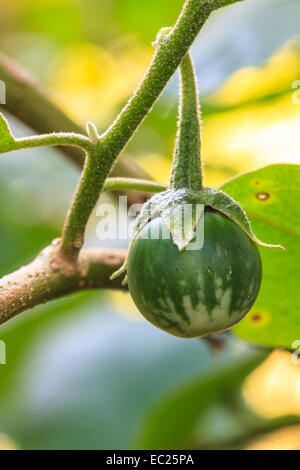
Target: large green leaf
[271,198]
[175,421]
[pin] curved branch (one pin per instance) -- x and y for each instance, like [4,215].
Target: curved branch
[50,276]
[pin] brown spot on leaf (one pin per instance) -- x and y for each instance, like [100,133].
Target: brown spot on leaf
[263,196]
[256,317]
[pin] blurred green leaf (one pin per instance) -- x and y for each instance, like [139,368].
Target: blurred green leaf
[81,377]
[20,332]
[271,198]
[175,420]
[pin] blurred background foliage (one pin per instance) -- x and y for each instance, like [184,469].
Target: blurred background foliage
[87,371]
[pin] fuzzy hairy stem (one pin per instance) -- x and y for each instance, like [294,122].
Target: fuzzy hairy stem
[50,276]
[85,198]
[186,170]
[169,53]
[84,201]
[171,49]
[69,139]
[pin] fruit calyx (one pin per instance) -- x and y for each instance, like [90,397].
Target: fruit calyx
[182,206]
[181,212]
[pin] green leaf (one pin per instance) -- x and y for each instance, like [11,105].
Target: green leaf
[7,142]
[271,198]
[222,202]
[173,422]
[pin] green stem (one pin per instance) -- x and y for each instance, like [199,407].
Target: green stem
[54,139]
[125,184]
[86,197]
[169,53]
[84,201]
[166,60]
[186,170]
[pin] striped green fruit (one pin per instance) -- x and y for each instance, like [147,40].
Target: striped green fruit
[193,293]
